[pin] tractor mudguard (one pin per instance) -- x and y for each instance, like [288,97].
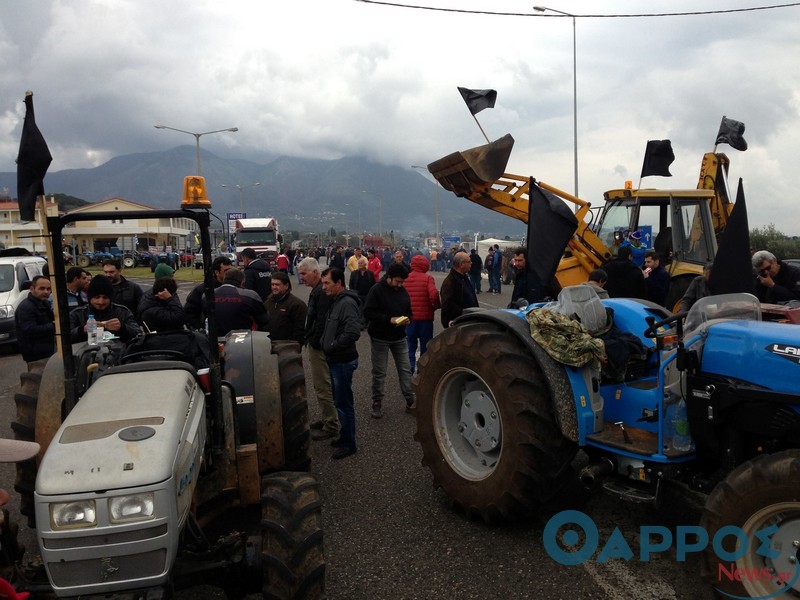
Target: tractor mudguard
[558,382]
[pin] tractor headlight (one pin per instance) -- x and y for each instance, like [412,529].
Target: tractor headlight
[6,312]
[73,515]
[134,507]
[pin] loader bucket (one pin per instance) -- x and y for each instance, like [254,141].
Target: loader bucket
[475,169]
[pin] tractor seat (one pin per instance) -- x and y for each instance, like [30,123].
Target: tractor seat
[582,303]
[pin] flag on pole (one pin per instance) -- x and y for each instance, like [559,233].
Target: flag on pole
[658,156]
[731,132]
[477,100]
[32,163]
[732,271]
[551,225]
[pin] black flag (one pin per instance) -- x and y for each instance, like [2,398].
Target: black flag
[658,156]
[477,100]
[32,163]
[732,271]
[731,132]
[551,225]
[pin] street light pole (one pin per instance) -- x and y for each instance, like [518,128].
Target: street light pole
[197,140]
[438,212]
[574,84]
[241,189]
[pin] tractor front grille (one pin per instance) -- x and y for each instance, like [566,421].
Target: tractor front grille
[96,571]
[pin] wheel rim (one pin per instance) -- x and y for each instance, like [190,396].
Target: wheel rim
[468,425]
[786,515]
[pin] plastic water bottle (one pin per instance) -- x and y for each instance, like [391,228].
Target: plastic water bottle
[91,331]
[681,440]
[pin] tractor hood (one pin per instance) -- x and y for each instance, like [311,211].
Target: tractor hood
[126,431]
[758,352]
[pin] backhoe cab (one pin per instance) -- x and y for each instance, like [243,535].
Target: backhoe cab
[680,224]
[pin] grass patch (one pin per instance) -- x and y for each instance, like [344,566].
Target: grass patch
[182,274]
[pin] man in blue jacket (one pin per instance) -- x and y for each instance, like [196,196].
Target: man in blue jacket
[342,330]
[656,278]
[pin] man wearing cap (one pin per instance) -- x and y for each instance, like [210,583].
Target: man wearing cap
[125,293]
[116,318]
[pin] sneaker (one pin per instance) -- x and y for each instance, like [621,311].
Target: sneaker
[316,425]
[321,434]
[343,452]
[376,411]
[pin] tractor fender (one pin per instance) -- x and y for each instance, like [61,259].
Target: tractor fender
[558,383]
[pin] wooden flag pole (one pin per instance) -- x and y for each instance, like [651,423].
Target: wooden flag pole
[481,128]
[48,242]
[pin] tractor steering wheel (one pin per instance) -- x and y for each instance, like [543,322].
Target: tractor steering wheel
[152,355]
[653,326]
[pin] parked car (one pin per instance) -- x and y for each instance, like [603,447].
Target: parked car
[16,273]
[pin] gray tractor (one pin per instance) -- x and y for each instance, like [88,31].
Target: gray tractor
[152,471]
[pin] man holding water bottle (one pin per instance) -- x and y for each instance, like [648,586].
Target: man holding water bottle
[115,318]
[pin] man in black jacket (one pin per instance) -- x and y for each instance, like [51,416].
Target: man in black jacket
[318,304]
[236,308]
[625,279]
[388,311]
[287,313]
[778,282]
[116,318]
[475,270]
[342,330]
[257,274]
[457,292]
[194,306]
[36,330]
[526,282]
[126,293]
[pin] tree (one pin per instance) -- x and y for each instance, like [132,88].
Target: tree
[769,238]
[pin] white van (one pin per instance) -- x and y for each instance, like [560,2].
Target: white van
[16,273]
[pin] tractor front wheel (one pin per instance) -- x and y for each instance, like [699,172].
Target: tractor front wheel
[292,557]
[486,424]
[758,508]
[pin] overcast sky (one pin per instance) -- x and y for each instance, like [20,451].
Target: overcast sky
[333,78]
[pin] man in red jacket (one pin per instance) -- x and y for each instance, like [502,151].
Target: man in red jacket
[421,288]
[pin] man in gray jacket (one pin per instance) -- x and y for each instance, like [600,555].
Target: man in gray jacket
[342,330]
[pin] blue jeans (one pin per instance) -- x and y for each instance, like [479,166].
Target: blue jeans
[475,279]
[380,359]
[342,384]
[421,331]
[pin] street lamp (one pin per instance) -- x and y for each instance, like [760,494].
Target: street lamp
[197,140]
[241,189]
[574,84]
[438,213]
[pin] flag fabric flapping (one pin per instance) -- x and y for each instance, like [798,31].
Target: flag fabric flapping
[732,271]
[658,156]
[731,132]
[32,163]
[551,225]
[477,100]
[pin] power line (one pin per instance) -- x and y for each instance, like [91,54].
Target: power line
[586,16]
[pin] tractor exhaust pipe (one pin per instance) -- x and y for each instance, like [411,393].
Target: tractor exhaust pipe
[591,475]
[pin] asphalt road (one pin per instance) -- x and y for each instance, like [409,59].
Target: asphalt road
[390,534]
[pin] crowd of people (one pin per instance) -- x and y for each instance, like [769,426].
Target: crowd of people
[389,294]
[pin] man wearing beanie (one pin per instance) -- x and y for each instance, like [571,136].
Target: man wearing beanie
[116,318]
[163,270]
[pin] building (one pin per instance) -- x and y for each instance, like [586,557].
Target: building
[141,233]
[15,234]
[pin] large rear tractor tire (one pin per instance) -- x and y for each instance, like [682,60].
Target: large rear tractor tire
[294,406]
[84,261]
[128,262]
[761,493]
[486,424]
[292,555]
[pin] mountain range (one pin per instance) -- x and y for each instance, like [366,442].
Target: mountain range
[307,195]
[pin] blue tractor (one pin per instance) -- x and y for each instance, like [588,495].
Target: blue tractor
[710,401]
